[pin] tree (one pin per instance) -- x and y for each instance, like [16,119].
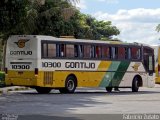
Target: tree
[51,17]
[12,13]
[21,16]
[88,27]
[158,28]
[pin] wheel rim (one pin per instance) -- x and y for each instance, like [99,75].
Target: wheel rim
[70,85]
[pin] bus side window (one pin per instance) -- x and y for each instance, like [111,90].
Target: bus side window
[80,48]
[69,51]
[44,50]
[114,52]
[105,52]
[135,52]
[51,50]
[62,50]
[75,50]
[139,53]
[129,53]
[92,52]
[57,50]
[121,53]
[98,51]
[87,51]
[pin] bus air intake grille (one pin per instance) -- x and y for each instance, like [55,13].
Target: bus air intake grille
[48,78]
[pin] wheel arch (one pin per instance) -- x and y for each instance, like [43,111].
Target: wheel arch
[75,78]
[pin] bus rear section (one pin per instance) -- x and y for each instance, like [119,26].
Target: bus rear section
[21,57]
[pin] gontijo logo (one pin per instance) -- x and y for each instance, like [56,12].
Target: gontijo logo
[136,66]
[21,43]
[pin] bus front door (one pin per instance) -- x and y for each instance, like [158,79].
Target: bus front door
[149,65]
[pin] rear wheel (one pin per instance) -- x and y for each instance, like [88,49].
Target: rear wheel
[43,90]
[135,85]
[109,89]
[70,85]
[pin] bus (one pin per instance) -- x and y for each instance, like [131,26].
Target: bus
[45,63]
[157,63]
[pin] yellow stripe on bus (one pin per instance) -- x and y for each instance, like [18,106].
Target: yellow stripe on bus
[58,78]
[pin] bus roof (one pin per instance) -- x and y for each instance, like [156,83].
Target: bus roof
[44,37]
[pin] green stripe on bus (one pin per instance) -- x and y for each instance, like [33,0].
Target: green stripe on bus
[114,78]
[117,78]
[106,81]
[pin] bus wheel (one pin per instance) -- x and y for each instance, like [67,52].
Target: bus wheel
[109,89]
[70,84]
[42,90]
[135,85]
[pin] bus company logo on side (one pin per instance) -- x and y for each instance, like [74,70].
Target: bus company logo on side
[21,43]
[136,66]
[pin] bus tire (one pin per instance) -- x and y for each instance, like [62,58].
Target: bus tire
[43,90]
[135,84]
[109,89]
[70,84]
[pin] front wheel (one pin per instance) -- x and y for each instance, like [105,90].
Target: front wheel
[135,85]
[43,90]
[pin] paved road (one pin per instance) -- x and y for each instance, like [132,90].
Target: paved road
[84,101]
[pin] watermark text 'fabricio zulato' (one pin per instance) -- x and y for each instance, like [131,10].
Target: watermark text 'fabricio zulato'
[141,116]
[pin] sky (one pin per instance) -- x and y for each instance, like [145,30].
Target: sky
[136,19]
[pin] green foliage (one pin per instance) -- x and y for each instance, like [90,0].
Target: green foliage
[89,28]
[54,17]
[12,13]
[158,28]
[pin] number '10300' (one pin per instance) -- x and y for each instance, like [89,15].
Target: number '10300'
[20,67]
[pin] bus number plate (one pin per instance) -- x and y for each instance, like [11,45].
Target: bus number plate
[23,67]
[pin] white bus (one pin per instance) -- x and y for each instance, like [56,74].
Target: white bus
[46,63]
